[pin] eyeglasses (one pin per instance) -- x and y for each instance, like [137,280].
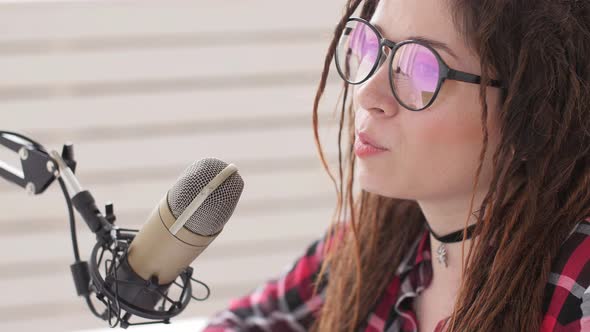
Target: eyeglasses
[416,70]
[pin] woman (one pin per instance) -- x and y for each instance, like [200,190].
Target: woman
[469,129]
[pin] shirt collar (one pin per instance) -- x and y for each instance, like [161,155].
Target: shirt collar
[418,254]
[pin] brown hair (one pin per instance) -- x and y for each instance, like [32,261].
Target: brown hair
[541,183]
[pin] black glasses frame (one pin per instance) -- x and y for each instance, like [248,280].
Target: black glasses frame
[445,72]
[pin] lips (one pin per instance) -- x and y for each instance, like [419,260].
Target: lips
[366,139]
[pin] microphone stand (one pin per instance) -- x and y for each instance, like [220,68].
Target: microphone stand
[39,170]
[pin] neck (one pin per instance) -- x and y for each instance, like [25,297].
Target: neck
[451,274]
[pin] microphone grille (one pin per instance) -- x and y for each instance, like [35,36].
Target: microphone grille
[217,208]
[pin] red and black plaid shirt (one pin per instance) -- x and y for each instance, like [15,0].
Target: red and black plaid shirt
[286,303]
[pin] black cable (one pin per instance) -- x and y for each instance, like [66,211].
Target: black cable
[75,245]
[72,219]
[63,189]
[206,288]
[102,316]
[202,284]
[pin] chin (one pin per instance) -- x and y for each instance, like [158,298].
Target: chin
[372,183]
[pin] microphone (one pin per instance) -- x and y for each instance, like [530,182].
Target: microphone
[187,219]
[131,271]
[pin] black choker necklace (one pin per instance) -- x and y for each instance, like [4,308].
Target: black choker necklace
[449,238]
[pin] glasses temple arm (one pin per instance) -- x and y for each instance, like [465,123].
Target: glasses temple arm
[458,75]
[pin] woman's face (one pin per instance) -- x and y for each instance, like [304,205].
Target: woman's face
[431,154]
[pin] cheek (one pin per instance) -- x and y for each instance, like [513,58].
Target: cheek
[445,134]
[447,140]
[455,117]
[452,127]
[446,151]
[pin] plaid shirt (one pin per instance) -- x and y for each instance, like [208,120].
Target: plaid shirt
[286,303]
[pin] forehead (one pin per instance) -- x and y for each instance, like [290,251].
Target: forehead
[399,19]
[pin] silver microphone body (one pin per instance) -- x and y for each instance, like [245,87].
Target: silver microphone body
[185,221]
[155,251]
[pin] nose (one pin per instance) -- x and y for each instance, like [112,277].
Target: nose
[375,94]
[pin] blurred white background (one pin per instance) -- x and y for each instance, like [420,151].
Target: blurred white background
[143,89]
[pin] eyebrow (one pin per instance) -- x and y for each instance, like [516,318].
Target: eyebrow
[431,42]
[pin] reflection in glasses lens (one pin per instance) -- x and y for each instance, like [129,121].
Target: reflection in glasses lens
[415,75]
[414,70]
[357,50]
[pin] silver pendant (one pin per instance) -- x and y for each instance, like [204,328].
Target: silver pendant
[442,254]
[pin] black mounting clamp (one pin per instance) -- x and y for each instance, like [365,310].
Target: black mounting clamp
[39,169]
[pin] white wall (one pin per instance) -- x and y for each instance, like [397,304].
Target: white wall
[142,89]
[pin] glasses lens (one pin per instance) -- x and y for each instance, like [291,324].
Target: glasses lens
[357,51]
[415,73]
